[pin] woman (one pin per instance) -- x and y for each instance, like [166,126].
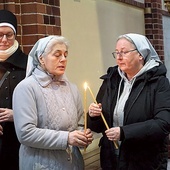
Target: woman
[46,118]
[135,100]
[12,70]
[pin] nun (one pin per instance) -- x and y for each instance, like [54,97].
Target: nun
[135,100]
[49,111]
[13,63]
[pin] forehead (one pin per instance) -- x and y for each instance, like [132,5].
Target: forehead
[59,47]
[124,44]
[6,29]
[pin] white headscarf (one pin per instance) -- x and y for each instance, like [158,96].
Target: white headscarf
[143,46]
[37,50]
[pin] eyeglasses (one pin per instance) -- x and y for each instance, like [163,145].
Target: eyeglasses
[9,36]
[121,53]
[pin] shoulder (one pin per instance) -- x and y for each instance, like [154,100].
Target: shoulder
[27,83]
[110,72]
[18,59]
[156,78]
[21,58]
[157,71]
[73,87]
[28,89]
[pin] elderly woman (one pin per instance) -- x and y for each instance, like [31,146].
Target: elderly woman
[135,100]
[48,112]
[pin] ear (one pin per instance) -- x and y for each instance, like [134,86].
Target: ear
[140,57]
[41,59]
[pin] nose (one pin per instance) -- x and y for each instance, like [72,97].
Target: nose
[4,38]
[119,55]
[62,57]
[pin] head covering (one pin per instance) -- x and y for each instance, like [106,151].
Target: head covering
[143,46]
[37,50]
[7,18]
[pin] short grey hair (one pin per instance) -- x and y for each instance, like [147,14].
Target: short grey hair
[53,41]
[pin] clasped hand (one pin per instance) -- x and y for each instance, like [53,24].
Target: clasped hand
[80,138]
[6,115]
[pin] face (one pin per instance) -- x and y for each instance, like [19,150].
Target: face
[8,39]
[55,62]
[130,62]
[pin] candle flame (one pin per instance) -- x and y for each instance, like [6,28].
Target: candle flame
[85,86]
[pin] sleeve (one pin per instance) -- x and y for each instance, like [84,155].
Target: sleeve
[26,119]
[158,127]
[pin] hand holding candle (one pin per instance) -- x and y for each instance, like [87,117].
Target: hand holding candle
[103,118]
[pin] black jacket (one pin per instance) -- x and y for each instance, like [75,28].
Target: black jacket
[16,65]
[146,121]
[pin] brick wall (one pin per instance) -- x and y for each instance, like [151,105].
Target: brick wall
[35,19]
[153,25]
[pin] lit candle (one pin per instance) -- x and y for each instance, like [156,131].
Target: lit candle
[104,120]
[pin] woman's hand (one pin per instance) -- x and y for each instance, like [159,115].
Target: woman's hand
[113,134]
[95,109]
[80,138]
[6,115]
[89,136]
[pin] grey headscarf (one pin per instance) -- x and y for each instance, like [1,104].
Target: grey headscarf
[38,49]
[143,46]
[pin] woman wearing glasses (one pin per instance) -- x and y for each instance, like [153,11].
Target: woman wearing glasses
[12,71]
[135,100]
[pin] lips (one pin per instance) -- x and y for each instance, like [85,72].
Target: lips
[121,64]
[61,67]
[4,47]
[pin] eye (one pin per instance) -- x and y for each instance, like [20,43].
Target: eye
[60,54]
[57,54]
[66,54]
[9,35]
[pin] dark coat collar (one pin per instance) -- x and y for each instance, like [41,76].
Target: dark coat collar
[18,59]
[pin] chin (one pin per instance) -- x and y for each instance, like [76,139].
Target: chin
[123,69]
[59,74]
